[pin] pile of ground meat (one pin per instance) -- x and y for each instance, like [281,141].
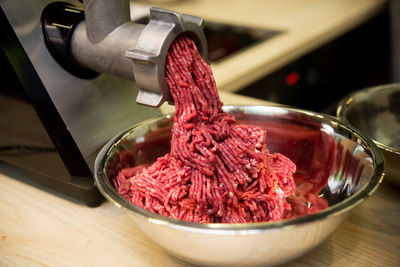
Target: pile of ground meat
[216,171]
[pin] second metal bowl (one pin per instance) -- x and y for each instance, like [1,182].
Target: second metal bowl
[376,112]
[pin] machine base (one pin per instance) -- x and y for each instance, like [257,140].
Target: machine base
[82,195]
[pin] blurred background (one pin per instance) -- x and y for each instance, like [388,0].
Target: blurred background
[365,56]
[321,51]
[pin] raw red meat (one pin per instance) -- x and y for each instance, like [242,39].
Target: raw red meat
[216,171]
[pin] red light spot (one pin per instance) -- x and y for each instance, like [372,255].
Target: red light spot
[292,78]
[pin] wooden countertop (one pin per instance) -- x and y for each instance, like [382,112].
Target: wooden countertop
[306,25]
[38,228]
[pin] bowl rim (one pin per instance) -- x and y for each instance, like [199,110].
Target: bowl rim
[345,103]
[342,207]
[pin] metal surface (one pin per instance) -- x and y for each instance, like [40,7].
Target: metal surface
[152,47]
[108,42]
[376,112]
[104,16]
[108,55]
[353,176]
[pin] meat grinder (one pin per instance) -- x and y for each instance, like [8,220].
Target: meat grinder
[74,75]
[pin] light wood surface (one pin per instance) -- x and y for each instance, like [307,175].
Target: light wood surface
[39,228]
[305,25]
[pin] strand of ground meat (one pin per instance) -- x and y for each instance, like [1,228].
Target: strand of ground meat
[216,171]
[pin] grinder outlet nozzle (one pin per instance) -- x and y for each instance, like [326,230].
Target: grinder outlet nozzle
[103,39]
[151,50]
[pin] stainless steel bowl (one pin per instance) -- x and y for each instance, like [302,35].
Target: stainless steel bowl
[375,111]
[321,147]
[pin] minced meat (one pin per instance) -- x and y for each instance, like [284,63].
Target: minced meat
[216,171]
